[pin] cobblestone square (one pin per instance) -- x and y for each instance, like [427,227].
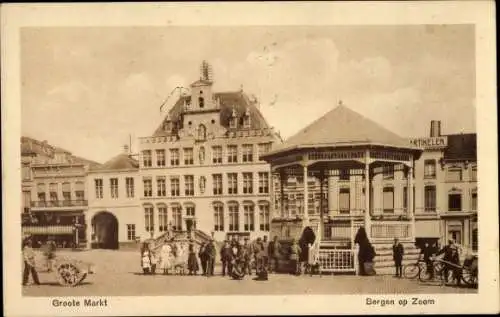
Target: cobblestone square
[118,273]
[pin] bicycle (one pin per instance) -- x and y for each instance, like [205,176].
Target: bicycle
[413,270]
[436,274]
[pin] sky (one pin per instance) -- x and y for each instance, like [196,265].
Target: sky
[87,89]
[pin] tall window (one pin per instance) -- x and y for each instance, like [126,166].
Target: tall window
[160,158]
[174,186]
[247,183]
[162,218]
[146,158]
[113,185]
[79,191]
[217,181]
[41,193]
[405,198]
[388,199]
[430,169]
[232,186]
[454,202]
[190,211]
[149,218]
[430,198]
[218,217]
[26,200]
[232,153]
[161,186]
[189,185]
[26,172]
[131,232]
[248,217]
[247,150]
[98,188]
[474,241]
[474,201]
[129,183]
[53,193]
[264,148]
[176,218]
[148,187]
[174,157]
[264,217]
[263,182]
[234,219]
[66,191]
[473,176]
[188,156]
[344,200]
[388,171]
[217,154]
[201,102]
[454,174]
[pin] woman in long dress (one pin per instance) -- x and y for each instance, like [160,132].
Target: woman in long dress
[166,258]
[192,261]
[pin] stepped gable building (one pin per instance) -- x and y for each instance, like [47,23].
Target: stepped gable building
[446,188]
[202,169]
[114,214]
[54,195]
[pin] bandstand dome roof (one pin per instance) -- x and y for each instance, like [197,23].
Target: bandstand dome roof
[343,127]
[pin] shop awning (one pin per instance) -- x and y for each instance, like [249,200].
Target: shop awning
[51,230]
[427,229]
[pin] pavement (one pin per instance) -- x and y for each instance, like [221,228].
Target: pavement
[118,273]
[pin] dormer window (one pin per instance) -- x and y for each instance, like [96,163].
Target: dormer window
[201,102]
[246,119]
[233,121]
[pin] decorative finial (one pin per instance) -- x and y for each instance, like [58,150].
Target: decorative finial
[206,72]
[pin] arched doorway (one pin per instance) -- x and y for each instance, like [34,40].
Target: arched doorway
[105,231]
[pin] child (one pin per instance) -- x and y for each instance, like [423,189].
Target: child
[146,259]
[192,261]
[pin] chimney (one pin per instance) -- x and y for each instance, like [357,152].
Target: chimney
[435,128]
[126,149]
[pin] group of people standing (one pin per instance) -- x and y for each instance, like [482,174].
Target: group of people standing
[260,255]
[172,256]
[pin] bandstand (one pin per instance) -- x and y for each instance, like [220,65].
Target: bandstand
[342,172]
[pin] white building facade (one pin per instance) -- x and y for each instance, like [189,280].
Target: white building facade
[113,214]
[201,168]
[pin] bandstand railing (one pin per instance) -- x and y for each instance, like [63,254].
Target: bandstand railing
[337,260]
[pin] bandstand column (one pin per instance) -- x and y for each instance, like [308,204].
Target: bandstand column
[306,195]
[367,194]
[410,202]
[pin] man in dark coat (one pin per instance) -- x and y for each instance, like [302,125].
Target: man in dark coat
[397,255]
[226,257]
[247,254]
[427,252]
[274,254]
[211,253]
[448,256]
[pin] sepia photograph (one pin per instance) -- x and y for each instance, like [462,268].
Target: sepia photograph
[250,160]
